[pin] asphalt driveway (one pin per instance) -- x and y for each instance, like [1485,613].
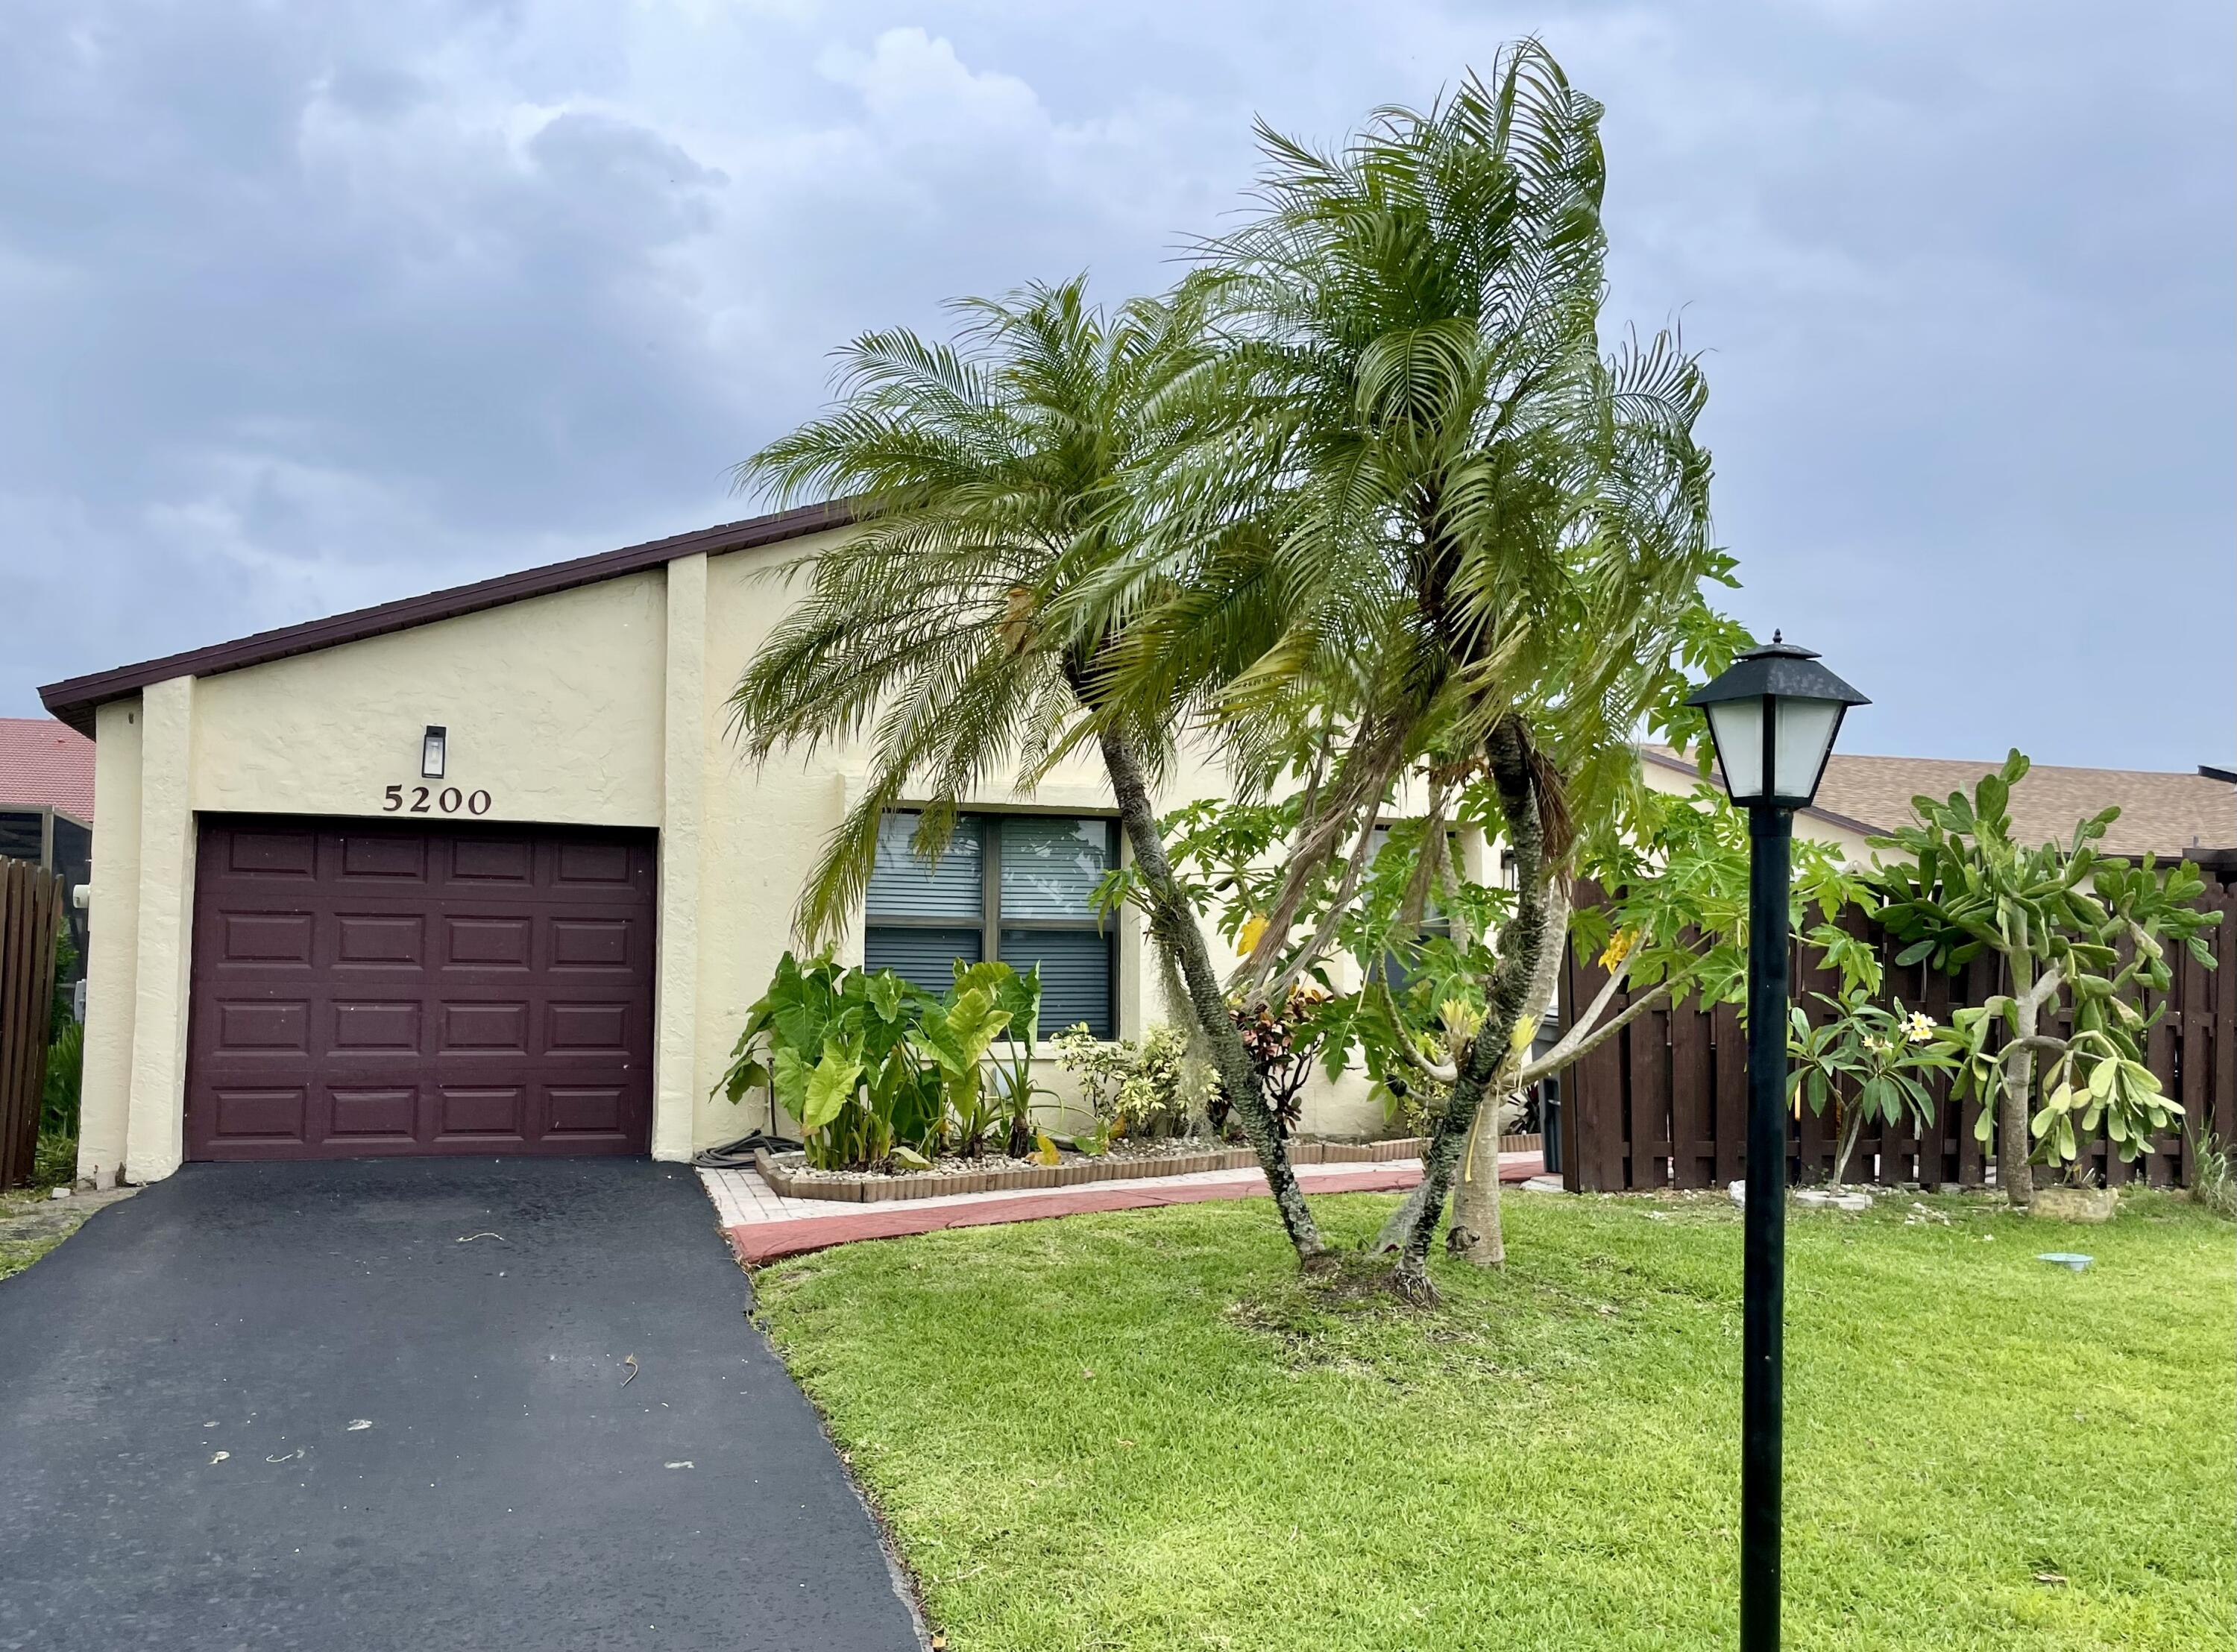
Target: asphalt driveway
[389,1403]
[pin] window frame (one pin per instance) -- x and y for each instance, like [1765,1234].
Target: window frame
[990,923]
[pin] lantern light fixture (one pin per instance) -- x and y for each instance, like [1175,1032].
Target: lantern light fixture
[1773,718]
[433,749]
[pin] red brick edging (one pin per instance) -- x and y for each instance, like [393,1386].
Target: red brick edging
[763,1241]
[1008,1176]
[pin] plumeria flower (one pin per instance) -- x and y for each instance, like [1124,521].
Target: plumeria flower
[1918,1027]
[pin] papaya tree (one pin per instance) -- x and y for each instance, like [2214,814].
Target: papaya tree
[1412,947]
[2081,937]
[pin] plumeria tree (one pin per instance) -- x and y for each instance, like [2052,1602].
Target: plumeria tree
[2078,933]
[1412,945]
[1869,1064]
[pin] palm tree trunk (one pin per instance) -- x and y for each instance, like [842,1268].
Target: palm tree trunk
[1521,944]
[1173,925]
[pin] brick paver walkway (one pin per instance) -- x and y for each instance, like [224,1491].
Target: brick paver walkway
[763,1224]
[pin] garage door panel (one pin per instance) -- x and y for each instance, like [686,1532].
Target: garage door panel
[253,938]
[392,1114]
[381,940]
[484,1028]
[592,864]
[483,1112]
[420,988]
[592,944]
[265,1024]
[586,1027]
[260,1114]
[278,854]
[588,1110]
[493,860]
[368,1029]
[489,942]
[383,858]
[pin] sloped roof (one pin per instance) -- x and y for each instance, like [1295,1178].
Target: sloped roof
[42,763]
[75,699]
[2161,813]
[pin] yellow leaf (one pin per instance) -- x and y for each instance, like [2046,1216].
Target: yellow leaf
[1048,1153]
[1618,949]
[1254,930]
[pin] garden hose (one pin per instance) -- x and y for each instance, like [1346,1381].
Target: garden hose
[739,1155]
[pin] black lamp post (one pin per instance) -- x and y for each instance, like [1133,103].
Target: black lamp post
[1772,718]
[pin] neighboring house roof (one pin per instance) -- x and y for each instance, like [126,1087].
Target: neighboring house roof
[75,699]
[45,765]
[2162,813]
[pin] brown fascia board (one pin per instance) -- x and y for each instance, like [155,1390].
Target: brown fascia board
[1682,767]
[75,699]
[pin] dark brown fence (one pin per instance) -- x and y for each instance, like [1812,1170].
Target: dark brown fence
[30,913]
[1664,1102]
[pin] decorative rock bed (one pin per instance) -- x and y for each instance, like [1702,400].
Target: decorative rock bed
[787,1174]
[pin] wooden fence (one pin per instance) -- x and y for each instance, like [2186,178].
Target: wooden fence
[1664,1102]
[31,914]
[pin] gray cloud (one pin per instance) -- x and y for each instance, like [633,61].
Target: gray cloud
[307,307]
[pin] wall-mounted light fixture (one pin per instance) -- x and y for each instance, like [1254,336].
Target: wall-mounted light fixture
[432,745]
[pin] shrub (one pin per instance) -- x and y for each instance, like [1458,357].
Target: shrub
[1143,1090]
[58,1099]
[2214,1173]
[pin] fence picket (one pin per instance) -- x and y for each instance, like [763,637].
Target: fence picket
[1665,1102]
[30,910]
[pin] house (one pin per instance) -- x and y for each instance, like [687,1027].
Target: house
[46,811]
[479,871]
[2171,815]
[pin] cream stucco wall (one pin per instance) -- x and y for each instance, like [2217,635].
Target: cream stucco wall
[554,705]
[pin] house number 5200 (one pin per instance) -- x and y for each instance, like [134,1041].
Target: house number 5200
[423,800]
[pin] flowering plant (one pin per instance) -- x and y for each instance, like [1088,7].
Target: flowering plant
[1869,1063]
[1282,1047]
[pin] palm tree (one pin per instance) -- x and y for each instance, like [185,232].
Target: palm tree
[986,478]
[1441,526]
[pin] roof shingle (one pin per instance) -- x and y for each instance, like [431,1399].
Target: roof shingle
[44,763]
[2162,813]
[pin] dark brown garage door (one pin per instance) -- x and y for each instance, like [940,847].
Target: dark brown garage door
[372,987]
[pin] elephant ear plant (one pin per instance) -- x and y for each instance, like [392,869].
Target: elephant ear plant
[834,1046]
[879,1071]
[1018,997]
[2074,929]
[955,1038]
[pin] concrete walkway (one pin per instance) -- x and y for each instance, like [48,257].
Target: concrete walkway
[763,1225]
[415,1405]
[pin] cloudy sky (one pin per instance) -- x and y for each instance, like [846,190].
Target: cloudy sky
[305,307]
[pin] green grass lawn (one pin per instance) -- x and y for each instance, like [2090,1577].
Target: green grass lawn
[1141,1431]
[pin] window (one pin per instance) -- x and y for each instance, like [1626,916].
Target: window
[1009,886]
[1435,920]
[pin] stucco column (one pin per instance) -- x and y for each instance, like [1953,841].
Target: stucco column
[677,1082]
[155,1138]
[112,961]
